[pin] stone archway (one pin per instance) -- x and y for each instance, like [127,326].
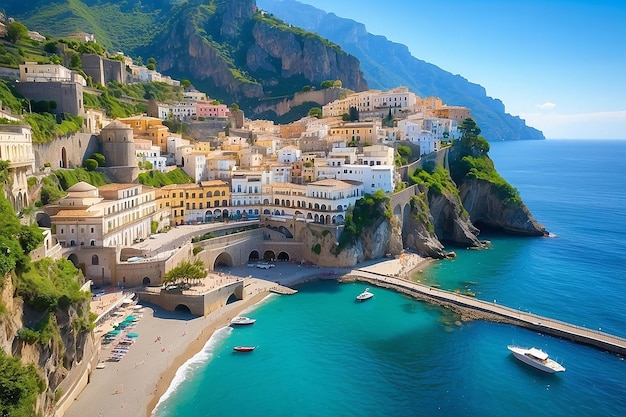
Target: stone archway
[183,308]
[43,220]
[223,259]
[254,256]
[146,281]
[64,158]
[269,255]
[73,258]
[283,257]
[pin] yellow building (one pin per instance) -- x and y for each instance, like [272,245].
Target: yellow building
[357,131]
[149,128]
[198,203]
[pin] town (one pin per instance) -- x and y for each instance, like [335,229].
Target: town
[279,176]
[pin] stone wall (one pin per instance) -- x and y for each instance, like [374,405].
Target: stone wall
[199,304]
[66,151]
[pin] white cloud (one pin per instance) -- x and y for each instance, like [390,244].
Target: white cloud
[598,125]
[546,106]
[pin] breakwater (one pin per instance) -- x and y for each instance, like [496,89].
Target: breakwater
[470,308]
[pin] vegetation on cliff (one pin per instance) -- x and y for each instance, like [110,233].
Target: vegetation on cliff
[365,213]
[49,290]
[19,386]
[471,161]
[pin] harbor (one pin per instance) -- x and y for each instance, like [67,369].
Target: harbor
[471,308]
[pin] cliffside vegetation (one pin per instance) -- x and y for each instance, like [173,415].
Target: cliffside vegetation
[471,161]
[365,213]
[19,386]
[49,290]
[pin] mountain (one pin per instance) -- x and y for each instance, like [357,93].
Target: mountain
[387,64]
[226,48]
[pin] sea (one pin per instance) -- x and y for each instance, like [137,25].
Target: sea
[320,353]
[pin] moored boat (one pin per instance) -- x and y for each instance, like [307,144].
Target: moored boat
[242,321]
[244,348]
[536,358]
[365,295]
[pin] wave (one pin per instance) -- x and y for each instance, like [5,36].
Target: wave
[199,360]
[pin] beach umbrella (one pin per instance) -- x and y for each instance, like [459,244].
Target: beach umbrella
[132,335]
[113,332]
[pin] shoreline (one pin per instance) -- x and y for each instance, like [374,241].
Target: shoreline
[167,377]
[134,386]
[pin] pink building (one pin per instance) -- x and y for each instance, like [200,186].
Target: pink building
[204,109]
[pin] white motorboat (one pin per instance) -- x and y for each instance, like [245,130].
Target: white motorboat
[365,295]
[536,358]
[242,321]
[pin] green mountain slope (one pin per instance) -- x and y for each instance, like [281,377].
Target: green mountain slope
[224,47]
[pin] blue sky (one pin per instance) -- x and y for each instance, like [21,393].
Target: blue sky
[560,65]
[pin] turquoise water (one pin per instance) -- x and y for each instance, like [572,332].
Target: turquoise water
[322,354]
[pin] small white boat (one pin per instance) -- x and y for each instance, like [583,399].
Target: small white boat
[365,295]
[536,358]
[242,321]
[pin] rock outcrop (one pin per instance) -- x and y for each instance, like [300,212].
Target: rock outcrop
[234,52]
[487,209]
[55,359]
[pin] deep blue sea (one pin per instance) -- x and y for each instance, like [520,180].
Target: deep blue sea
[322,354]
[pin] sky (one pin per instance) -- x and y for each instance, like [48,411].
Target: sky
[558,64]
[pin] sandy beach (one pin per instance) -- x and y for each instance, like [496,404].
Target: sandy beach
[134,385]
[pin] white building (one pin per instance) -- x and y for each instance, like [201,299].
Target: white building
[377,155]
[289,155]
[372,178]
[147,152]
[33,72]
[195,165]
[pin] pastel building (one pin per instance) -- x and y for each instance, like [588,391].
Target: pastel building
[16,147]
[114,215]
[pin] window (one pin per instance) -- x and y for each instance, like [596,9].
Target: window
[94,259]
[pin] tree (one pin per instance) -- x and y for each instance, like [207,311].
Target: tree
[327,84]
[354,114]
[76,62]
[16,31]
[185,83]
[151,67]
[345,117]
[99,158]
[234,107]
[30,237]
[185,272]
[315,112]
[469,127]
[306,88]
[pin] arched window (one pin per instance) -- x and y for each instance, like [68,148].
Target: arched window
[95,260]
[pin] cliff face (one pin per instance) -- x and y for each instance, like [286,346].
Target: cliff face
[440,211]
[53,360]
[487,209]
[387,64]
[236,53]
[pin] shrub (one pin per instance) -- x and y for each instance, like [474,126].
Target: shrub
[317,248]
[90,164]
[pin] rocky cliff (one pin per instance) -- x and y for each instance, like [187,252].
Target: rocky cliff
[234,52]
[54,358]
[436,211]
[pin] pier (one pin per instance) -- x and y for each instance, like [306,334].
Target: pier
[473,309]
